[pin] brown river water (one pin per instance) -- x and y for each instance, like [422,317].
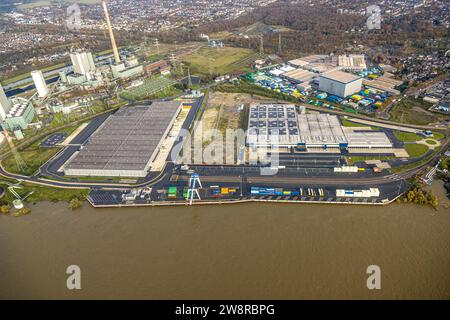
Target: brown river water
[241,251]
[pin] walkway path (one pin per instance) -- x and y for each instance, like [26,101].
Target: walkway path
[384,125]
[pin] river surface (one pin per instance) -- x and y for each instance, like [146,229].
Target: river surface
[241,251]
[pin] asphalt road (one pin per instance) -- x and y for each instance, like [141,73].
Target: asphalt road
[216,173]
[51,167]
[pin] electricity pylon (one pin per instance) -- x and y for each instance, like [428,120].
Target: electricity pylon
[189,77]
[261,45]
[21,165]
[279,43]
[157,45]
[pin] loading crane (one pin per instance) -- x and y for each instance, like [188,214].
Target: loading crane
[193,189]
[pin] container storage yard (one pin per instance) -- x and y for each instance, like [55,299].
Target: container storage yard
[326,81]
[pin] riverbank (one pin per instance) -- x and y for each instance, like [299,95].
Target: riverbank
[254,251]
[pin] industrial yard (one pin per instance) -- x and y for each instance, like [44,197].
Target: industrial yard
[342,82]
[137,106]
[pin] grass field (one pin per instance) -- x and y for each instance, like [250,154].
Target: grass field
[347,123]
[41,193]
[353,159]
[438,135]
[431,142]
[153,87]
[415,150]
[34,157]
[416,164]
[220,60]
[407,136]
[413,111]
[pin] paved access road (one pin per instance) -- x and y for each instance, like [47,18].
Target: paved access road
[210,173]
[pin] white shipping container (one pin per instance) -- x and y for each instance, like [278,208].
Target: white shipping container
[372,192]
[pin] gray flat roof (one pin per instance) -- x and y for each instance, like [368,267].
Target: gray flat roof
[340,76]
[320,128]
[272,121]
[281,125]
[127,139]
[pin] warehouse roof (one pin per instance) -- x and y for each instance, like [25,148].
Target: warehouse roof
[127,139]
[320,128]
[281,125]
[363,139]
[299,75]
[340,76]
[272,124]
[306,60]
[353,61]
[384,83]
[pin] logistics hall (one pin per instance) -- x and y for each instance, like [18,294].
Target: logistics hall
[281,126]
[126,144]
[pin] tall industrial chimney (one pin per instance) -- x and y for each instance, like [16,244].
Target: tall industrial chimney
[111,34]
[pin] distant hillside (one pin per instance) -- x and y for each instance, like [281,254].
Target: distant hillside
[26,4]
[259,28]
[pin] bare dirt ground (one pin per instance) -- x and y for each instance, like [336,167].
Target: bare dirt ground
[224,112]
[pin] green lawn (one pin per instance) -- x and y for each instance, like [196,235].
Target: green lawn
[416,164]
[34,157]
[154,57]
[347,123]
[415,150]
[42,193]
[407,136]
[430,141]
[413,111]
[220,60]
[352,160]
[438,135]
[155,87]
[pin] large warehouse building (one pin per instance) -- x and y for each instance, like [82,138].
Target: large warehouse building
[268,122]
[126,143]
[339,83]
[281,126]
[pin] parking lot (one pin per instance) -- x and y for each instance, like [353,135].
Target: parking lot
[54,139]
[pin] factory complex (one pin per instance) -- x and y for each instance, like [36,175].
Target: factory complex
[15,113]
[339,83]
[329,81]
[126,143]
[281,126]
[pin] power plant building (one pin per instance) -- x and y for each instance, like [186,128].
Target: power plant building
[5,104]
[121,70]
[83,62]
[20,115]
[127,143]
[39,82]
[339,83]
